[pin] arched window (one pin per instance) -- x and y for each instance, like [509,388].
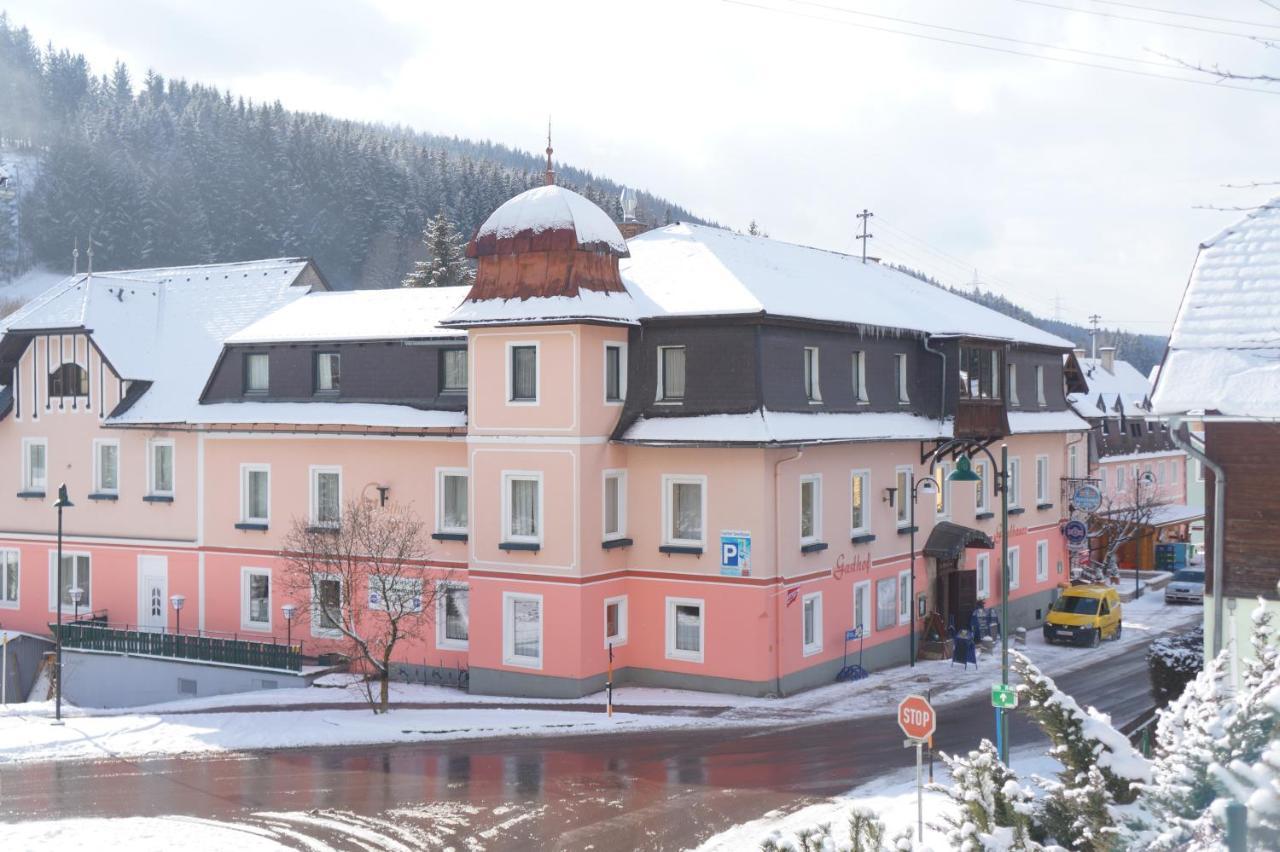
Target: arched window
[69,380]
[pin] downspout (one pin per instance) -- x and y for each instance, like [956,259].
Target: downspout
[777,567]
[1186,442]
[942,413]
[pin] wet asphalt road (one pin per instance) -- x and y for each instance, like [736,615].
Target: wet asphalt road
[659,790]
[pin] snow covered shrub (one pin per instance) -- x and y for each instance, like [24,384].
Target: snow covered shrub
[866,831]
[1173,662]
[866,834]
[989,802]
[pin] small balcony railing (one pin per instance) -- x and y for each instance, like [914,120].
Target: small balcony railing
[200,647]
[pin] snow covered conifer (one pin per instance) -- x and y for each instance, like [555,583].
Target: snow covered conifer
[446,264]
[989,800]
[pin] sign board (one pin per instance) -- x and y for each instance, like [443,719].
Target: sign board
[1003,696]
[852,633]
[735,553]
[1077,534]
[1087,498]
[916,717]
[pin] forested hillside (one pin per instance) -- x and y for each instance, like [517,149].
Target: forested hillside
[169,172]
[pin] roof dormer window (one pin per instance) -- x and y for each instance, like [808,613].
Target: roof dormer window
[328,372]
[69,380]
[257,372]
[979,373]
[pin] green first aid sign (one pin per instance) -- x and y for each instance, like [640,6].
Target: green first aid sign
[1003,696]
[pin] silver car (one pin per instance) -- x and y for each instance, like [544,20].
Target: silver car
[1187,586]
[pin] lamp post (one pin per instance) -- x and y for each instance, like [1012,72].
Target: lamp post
[289,611]
[76,594]
[924,486]
[964,473]
[63,502]
[177,601]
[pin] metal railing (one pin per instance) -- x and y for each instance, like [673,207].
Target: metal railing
[99,636]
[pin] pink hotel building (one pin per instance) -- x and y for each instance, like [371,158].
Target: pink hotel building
[695,446]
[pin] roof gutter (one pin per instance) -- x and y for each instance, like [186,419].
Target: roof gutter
[1181,437]
[942,413]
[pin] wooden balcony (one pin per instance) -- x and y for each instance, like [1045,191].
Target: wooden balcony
[981,419]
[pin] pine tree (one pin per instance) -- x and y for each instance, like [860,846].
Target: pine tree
[446,264]
[990,803]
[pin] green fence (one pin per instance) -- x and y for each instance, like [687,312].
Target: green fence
[91,636]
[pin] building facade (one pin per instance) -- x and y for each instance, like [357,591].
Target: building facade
[694,449]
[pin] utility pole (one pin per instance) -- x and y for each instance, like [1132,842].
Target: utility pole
[1094,319]
[865,216]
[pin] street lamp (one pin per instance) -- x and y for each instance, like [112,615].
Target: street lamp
[76,594]
[177,601]
[289,611]
[63,502]
[924,486]
[964,473]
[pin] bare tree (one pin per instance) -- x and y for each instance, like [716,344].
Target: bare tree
[367,584]
[1117,521]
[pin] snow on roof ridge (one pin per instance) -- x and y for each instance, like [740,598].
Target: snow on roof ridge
[281,261]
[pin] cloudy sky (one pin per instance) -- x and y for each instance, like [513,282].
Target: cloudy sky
[1069,188]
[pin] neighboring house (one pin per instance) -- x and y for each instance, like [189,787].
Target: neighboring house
[1222,369]
[1131,456]
[696,447]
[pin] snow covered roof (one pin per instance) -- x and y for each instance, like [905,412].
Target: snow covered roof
[696,270]
[1122,390]
[1224,353]
[587,306]
[398,314]
[370,415]
[547,218]
[790,427]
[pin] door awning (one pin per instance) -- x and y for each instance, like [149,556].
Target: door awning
[948,540]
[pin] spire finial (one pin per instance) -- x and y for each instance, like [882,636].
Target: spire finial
[550,178]
[75,258]
[89,252]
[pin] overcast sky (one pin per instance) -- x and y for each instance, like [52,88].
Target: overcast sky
[1068,188]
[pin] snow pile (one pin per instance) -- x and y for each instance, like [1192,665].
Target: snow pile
[551,208]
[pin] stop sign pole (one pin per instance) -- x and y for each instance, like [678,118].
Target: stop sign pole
[918,721]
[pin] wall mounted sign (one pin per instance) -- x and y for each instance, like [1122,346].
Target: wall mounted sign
[735,553]
[1087,498]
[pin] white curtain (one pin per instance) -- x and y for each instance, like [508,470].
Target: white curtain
[686,511]
[327,372]
[688,628]
[524,507]
[257,501]
[524,372]
[611,519]
[162,468]
[886,603]
[259,598]
[108,467]
[673,373]
[526,627]
[257,372]
[328,503]
[457,613]
[808,497]
[455,369]
[455,502]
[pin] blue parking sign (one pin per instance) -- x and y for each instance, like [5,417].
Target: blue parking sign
[735,553]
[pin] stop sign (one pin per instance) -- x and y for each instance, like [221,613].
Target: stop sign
[916,717]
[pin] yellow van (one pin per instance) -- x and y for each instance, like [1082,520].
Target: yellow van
[1084,615]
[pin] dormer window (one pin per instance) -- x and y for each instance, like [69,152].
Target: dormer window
[1040,398]
[453,371]
[979,373]
[671,373]
[69,380]
[1013,384]
[900,377]
[257,371]
[328,372]
[812,391]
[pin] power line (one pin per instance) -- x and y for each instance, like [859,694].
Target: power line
[1113,15]
[992,48]
[1188,14]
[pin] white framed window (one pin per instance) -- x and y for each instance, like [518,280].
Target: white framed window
[1013,384]
[859,511]
[684,510]
[326,496]
[983,569]
[1015,568]
[862,606]
[160,473]
[453,616]
[812,390]
[328,372]
[326,606]
[1042,561]
[451,500]
[106,466]
[615,621]
[859,373]
[904,597]
[615,373]
[522,630]
[1015,482]
[1040,399]
[1199,470]
[10,563]
[35,464]
[902,497]
[77,573]
[900,377]
[810,509]
[255,598]
[982,487]
[886,603]
[811,624]
[686,629]
[522,373]
[942,500]
[522,506]
[671,360]
[1042,479]
[1073,462]
[453,371]
[255,493]
[257,372]
[614,504]
[1119,477]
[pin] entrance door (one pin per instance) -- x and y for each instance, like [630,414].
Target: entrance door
[153,592]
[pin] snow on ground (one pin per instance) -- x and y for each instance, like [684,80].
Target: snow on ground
[892,798]
[207,725]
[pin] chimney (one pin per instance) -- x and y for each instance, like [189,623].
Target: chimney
[1079,353]
[630,226]
[1108,356]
